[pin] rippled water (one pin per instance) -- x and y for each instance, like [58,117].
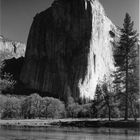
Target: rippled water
[68,133]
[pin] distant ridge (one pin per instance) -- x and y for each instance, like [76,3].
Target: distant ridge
[10,49]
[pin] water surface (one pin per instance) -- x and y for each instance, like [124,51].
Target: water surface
[67,133]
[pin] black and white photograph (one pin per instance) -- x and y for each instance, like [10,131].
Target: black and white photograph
[69,70]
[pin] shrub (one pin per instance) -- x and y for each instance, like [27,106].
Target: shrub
[73,110]
[52,108]
[6,85]
[86,111]
[11,108]
[3,99]
[6,80]
[31,106]
[34,106]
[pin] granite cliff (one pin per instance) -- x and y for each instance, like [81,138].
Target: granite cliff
[69,49]
[12,55]
[11,49]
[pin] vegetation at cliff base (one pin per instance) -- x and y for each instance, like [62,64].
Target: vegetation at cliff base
[31,107]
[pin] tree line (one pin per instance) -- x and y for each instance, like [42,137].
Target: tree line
[35,106]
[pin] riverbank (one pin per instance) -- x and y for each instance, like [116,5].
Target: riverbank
[116,123]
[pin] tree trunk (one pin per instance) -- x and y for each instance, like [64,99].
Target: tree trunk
[132,109]
[109,112]
[126,82]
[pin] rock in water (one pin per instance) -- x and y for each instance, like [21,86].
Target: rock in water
[69,49]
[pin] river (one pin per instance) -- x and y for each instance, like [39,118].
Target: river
[67,133]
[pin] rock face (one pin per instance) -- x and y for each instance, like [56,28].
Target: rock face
[69,49]
[12,55]
[10,49]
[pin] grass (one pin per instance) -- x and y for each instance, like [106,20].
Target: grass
[115,123]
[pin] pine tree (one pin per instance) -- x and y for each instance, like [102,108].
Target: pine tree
[126,56]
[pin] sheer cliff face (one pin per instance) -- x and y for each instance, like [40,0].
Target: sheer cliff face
[69,49]
[10,49]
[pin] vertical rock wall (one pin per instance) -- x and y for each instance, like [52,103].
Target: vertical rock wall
[100,56]
[10,49]
[68,49]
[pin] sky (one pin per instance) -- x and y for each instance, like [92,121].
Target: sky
[16,16]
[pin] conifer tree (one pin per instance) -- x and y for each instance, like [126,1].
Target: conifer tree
[127,63]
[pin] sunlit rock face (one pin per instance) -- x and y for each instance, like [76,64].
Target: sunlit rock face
[69,49]
[10,49]
[100,56]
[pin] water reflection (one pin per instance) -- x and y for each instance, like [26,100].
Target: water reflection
[67,133]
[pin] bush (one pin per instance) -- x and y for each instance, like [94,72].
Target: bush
[6,80]
[73,110]
[115,112]
[6,85]
[52,108]
[86,111]
[3,99]
[11,108]
[31,106]
[35,106]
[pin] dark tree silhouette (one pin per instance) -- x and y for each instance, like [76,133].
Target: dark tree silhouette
[126,61]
